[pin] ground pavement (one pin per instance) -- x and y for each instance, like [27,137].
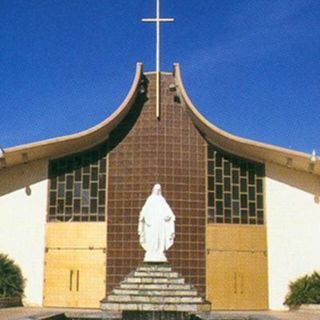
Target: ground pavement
[32,313]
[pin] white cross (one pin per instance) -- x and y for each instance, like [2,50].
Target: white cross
[157,20]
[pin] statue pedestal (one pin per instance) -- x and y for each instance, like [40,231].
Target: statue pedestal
[155,292]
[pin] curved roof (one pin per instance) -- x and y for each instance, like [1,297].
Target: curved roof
[57,147]
[254,150]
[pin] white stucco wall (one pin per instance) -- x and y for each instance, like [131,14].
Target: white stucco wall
[22,223]
[293,228]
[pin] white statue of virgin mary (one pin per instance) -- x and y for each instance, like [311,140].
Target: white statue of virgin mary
[156,226]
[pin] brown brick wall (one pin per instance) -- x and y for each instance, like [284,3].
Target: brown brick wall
[169,151]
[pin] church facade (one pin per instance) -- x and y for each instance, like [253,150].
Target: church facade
[247,213]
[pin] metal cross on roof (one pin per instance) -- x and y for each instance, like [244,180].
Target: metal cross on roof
[158,20]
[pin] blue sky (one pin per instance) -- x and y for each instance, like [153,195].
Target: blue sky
[251,67]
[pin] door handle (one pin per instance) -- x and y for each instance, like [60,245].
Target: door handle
[241,283]
[78,276]
[70,280]
[235,282]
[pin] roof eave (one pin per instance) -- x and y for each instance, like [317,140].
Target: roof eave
[61,146]
[250,149]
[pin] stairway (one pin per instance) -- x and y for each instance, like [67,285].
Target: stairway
[155,287]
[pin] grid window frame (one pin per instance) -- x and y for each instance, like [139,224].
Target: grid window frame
[76,192]
[235,189]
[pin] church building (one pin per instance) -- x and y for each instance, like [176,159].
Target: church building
[247,213]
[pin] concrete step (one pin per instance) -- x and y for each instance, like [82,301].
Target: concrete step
[154,268]
[153,299]
[145,280]
[158,286]
[155,274]
[155,287]
[173,292]
[156,307]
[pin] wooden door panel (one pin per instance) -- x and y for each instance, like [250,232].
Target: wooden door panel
[74,278]
[252,270]
[75,264]
[90,278]
[237,267]
[58,284]
[221,280]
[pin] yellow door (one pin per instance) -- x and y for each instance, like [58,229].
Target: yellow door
[252,271]
[89,269]
[75,270]
[74,278]
[237,267]
[59,279]
[221,281]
